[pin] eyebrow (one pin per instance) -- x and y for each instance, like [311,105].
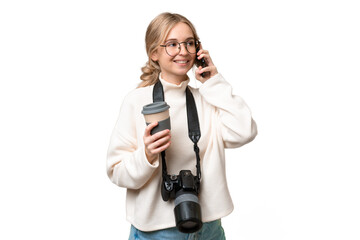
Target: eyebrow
[174,39]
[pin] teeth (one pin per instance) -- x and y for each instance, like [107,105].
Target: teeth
[181,61]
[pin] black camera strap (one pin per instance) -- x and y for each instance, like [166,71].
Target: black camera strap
[193,125]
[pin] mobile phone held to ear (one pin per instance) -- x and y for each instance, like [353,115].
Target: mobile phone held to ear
[200,62]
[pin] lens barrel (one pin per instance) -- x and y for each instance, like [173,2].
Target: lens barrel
[187,212]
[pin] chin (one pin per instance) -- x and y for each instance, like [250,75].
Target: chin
[183,71]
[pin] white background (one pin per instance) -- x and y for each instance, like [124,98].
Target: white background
[65,67]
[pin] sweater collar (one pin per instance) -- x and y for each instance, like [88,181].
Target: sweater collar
[171,87]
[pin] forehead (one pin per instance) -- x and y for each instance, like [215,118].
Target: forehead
[180,31]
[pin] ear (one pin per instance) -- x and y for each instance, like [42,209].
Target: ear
[155,56]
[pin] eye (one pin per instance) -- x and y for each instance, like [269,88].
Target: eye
[190,43]
[171,44]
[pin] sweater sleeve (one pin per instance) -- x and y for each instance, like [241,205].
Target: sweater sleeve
[234,120]
[127,165]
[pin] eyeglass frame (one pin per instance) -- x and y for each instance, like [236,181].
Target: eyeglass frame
[197,43]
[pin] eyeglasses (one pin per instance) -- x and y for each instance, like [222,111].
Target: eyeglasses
[173,48]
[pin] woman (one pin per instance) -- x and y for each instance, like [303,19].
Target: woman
[134,160]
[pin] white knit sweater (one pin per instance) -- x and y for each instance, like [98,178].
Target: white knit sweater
[225,122]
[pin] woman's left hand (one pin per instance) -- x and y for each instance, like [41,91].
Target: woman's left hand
[210,69]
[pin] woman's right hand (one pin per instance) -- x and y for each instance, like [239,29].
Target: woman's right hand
[155,144]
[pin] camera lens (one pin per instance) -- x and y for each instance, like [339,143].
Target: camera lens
[189,225]
[187,212]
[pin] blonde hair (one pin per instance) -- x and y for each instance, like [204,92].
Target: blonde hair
[156,34]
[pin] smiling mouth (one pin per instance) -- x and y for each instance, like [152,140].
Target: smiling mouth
[181,61]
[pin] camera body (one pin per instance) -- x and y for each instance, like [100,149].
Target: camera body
[184,189]
[185,181]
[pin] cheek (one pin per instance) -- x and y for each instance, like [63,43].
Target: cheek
[193,61]
[165,60]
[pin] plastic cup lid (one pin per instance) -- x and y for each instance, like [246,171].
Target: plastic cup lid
[155,107]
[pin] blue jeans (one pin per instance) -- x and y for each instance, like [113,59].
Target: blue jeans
[209,231]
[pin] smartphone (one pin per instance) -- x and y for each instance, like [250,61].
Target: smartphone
[200,62]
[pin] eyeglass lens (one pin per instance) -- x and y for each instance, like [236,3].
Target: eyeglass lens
[173,48]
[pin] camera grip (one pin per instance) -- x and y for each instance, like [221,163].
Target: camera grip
[166,188]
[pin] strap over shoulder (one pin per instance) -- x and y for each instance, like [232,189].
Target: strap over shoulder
[193,122]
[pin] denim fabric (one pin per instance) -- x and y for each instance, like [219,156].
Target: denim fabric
[209,231]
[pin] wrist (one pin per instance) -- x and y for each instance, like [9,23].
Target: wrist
[150,157]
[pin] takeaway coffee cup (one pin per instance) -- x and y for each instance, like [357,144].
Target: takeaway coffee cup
[157,112]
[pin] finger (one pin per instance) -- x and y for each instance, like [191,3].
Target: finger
[150,139]
[149,128]
[161,141]
[206,69]
[201,51]
[206,57]
[200,71]
[161,148]
[164,147]
[197,72]
[154,147]
[160,134]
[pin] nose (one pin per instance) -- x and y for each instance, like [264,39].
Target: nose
[182,49]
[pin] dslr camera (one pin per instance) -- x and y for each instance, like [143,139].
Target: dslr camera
[184,188]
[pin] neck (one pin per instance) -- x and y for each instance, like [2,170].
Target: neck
[174,79]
